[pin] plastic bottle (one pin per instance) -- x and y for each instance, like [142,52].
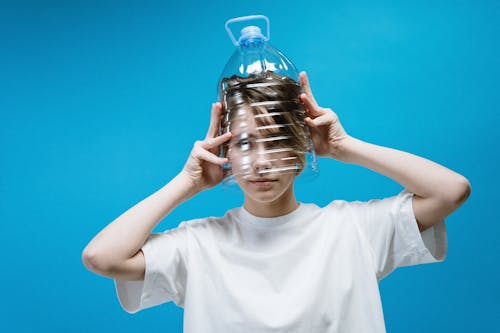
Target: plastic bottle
[259,92]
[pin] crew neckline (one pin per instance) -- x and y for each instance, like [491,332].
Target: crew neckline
[245,217]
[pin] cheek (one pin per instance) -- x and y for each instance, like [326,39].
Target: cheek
[285,159]
[240,162]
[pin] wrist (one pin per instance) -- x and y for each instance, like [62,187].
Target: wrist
[186,185]
[344,149]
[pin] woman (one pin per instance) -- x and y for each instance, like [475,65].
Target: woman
[276,265]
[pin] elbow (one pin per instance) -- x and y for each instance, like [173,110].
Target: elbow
[459,192]
[464,190]
[94,261]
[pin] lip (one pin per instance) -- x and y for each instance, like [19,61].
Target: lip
[262,182]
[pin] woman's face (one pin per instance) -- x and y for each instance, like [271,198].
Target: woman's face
[262,164]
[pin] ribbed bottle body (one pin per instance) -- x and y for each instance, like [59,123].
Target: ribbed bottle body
[260,96]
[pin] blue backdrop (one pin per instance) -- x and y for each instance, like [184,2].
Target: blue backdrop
[101,101]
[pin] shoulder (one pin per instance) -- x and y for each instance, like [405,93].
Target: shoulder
[358,211]
[336,213]
[376,203]
[340,206]
[206,224]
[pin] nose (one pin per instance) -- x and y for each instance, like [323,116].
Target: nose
[262,161]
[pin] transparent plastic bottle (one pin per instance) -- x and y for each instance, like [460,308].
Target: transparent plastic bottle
[259,92]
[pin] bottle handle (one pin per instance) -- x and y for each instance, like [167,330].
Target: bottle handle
[247,18]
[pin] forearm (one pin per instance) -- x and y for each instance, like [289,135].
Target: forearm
[124,237]
[419,175]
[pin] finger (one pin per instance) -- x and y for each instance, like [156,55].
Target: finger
[306,86]
[210,143]
[313,109]
[213,129]
[201,153]
[323,120]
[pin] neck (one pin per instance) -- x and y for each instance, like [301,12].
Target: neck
[283,205]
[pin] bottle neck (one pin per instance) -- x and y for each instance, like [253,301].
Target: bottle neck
[252,41]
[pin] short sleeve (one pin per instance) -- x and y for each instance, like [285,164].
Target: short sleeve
[391,229]
[165,273]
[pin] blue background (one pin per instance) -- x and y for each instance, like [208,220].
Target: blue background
[101,101]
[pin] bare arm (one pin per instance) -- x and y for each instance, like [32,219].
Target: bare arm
[115,251]
[438,190]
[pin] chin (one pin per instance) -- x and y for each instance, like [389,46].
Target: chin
[264,198]
[267,189]
[265,195]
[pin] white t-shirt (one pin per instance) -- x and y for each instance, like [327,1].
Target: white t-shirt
[312,270]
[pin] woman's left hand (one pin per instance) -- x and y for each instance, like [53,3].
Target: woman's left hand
[327,133]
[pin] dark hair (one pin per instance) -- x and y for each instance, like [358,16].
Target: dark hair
[272,100]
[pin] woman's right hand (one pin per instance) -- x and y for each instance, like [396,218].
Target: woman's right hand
[203,167]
